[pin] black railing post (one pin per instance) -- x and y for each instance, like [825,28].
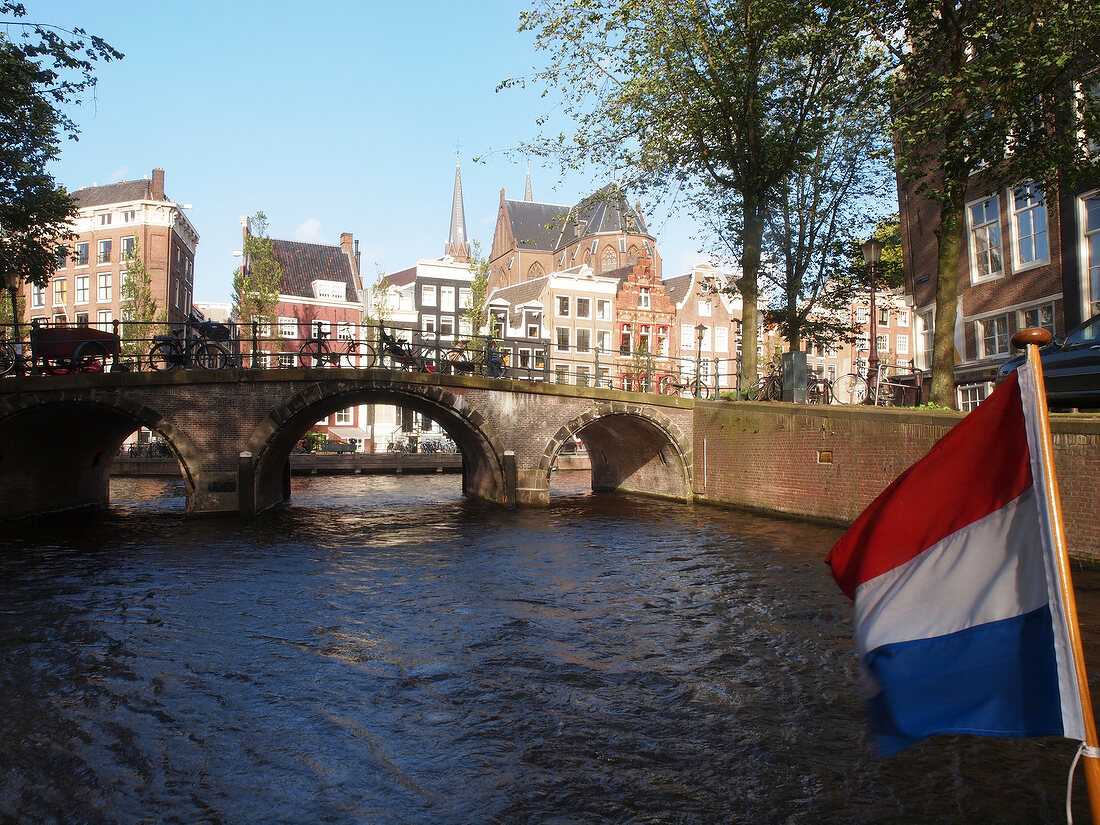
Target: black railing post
[255,343]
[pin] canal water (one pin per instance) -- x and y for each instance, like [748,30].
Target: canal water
[384,650]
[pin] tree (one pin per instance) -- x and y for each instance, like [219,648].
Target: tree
[476,312]
[43,71]
[721,100]
[139,307]
[256,282]
[987,91]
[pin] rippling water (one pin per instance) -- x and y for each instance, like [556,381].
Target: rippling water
[384,650]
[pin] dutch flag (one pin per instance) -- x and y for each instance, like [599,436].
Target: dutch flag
[960,622]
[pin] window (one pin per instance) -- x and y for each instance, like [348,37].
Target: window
[971,395]
[430,323]
[662,340]
[584,307]
[561,373]
[862,314]
[344,416]
[561,339]
[105,220]
[447,298]
[562,306]
[903,317]
[643,338]
[38,296]
[643,298]
[608,260]
[82,319]
[82,289]
[704,309]
[993,336]
[60,292]
[532,324]
[626,341]
[721,339]
[62,255]
[584,376]
[1092,250]
[288,327]
[882,342]
[926,327]
[129,216]
[884,316]
[1038,317]
[465,298]
[104,281]
[81,257]
[103,320]
[104,256]
[603,340]
[687,336]
[603,309]
[447,325]
[129,246]
[985,240]
[584,340]
[345,331]
[427,296]
[903,344]
[1030,225]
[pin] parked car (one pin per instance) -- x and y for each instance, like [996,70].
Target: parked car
[1071,367]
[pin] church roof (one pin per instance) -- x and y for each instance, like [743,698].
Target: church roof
[304,263]
[606,211]
[122,192]
[536,225]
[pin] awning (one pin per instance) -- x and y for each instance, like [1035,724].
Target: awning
[350,432]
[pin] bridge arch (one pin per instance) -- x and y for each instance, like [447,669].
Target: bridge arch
[632,448]
[56,451]
[273,440]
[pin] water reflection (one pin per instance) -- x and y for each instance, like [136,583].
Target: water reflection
[385,650]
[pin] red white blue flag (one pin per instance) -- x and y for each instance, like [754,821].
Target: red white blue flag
[959,617]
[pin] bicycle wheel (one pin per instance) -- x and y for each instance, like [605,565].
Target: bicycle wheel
[312,354]
[850,389]
[207,355]
[775,388]
[164,355]
[756,389]
[7,358]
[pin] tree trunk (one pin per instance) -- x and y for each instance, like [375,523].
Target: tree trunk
[752,239]
[947,302]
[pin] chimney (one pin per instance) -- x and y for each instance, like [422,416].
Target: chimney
[347,242]
[158,185]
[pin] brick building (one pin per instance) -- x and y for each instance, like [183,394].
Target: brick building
[698,300]
[114,221]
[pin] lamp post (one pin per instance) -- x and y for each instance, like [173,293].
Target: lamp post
[872,252]
[700,331]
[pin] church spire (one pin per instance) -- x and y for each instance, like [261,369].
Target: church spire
[457,245]
[527,196]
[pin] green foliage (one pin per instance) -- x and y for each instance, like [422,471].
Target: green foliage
[479,289]
[721,102]
[139,308]
[988,92]
[44,70]
[256,282]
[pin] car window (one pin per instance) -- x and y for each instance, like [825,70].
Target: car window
[1089,333]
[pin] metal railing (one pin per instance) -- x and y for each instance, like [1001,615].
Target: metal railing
[155,346]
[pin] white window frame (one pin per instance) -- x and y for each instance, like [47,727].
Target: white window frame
[343,416]
[103,251]
[705,309]
[1023,322]
[80,289]
[561,306]
[583,332]
[1035,211]
[288,327]
[903,317]
[447,299]
[721,339]
[645,300]
[981,233]
[603,309]
[427,295]
[558,347]
[902,342]
[1090,252]
[584,308]
[104,288]
[603,340]
[1000,338]
[971,395]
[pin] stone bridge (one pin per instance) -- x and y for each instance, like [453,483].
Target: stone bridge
[232,432]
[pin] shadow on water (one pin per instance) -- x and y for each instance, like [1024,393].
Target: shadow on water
[386,650]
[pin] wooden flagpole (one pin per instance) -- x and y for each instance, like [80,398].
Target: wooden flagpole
[1033,339]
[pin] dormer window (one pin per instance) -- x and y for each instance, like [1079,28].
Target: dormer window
[330,290]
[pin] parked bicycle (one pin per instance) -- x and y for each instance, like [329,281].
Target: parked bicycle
[204,351]
[9,358]
[316,352]
[400,354]
[768,387]
[819,390]
[895,385]
[672,384]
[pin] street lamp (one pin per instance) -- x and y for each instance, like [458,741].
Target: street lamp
[700,331]
[872,252]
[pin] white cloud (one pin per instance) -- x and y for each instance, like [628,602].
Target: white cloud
[309,231]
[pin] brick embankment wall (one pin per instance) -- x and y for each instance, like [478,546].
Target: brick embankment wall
[829,463]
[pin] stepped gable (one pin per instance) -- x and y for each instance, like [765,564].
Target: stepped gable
[303,263]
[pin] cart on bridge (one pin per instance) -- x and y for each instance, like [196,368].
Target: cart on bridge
[57,350]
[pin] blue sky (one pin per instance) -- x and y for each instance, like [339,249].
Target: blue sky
[330,117]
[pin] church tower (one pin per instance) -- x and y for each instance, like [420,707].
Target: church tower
[457,245]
